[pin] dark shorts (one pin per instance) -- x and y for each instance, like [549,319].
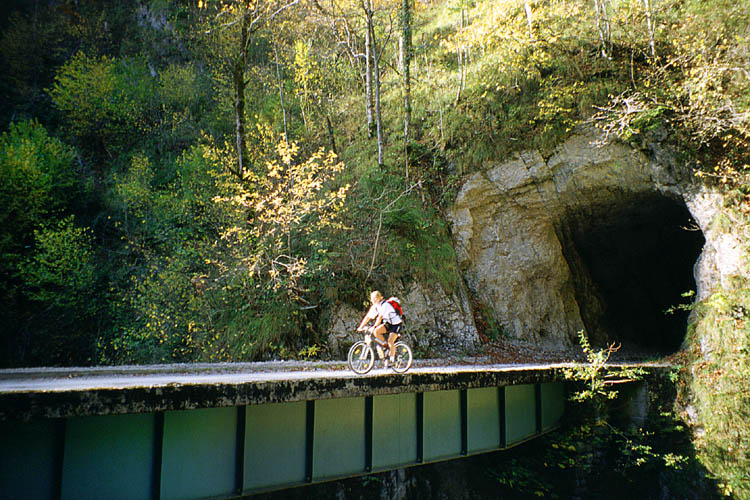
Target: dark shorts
[389,328]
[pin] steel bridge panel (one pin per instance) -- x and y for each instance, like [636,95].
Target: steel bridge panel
[394,430]
[199,454]
[483,419]
[442,425]
[109,457]
[553,404]
[520,412]
[29,459]
[275,444]
[339,438]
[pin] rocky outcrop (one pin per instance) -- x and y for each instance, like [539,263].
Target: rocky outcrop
[437,322]
[723,255]
[576,241]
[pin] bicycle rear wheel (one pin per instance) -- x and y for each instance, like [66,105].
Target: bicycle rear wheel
[403,358]
[361,358]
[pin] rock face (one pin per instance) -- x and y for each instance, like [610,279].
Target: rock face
[436,322]
[599,237]
[592,238]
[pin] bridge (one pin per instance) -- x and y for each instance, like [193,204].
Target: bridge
[225,431]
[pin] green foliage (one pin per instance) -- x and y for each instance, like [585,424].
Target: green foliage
[597,376]
[105,101]
[718,359]
[598,460]
[38,179]
[61,272]
[56,297]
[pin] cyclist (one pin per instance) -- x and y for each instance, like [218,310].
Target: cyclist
[387,320]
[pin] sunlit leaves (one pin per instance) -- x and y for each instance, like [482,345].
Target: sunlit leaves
[293,200]
[597,376]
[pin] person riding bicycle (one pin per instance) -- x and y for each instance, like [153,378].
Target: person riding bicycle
[387,320]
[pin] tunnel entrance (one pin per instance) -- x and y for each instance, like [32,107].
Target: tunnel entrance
[631,260]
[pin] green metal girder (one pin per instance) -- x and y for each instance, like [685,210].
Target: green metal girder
[30,459]
[520,413]
[275,439]
[483,419]
[394,430]
[339,438]
[442,425]
[221,452]
[113,452]
[199,454]
[553,405]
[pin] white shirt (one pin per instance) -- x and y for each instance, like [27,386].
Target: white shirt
[389,314]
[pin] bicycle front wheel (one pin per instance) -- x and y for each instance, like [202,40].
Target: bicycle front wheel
[361,358]
[403,358]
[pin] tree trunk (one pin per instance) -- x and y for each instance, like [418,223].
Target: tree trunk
[330,135]
[239,102]
[602,26]
[376,80]
[281,90]
[368,67]
[405,63]
[527,7]
[650,24]
[461,59]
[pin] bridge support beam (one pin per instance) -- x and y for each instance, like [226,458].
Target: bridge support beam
[226,451]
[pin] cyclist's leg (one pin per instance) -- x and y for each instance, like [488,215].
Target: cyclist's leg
[393,333]
[380,332]
[392,344]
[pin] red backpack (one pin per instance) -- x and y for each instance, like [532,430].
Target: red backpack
[394,302]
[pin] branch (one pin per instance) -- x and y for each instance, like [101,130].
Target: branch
[380,221]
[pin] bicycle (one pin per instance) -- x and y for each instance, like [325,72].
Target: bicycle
[361,357]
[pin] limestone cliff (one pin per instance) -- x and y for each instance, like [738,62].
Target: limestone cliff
[600,236]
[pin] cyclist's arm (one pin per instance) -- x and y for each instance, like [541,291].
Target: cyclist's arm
[371,314]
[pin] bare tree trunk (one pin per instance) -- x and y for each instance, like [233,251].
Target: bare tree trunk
[330,135]
[527,7]
[368,67]
[376,80]
[239,102]
[281,90]
[602,26]
[406,62]
[460,56]
[650,24]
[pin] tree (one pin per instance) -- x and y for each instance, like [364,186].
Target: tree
[650,27]
[231,27]
[106,101]
[40,248]
[406,54]
[603,26]
[276,232]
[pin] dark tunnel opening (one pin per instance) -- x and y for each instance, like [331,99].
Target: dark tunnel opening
[632,260]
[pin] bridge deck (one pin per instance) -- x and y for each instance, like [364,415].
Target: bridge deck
[65,392]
